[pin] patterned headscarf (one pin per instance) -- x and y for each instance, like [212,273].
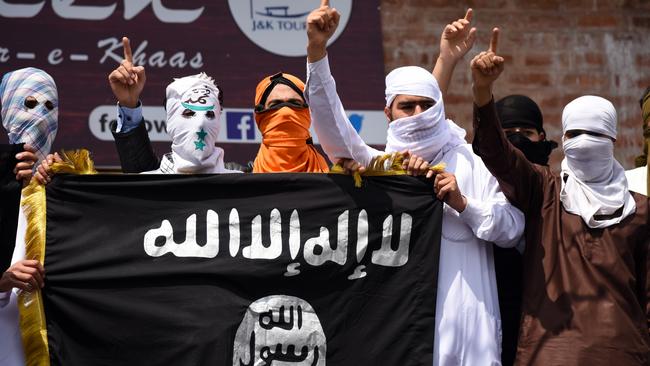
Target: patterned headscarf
[37,125]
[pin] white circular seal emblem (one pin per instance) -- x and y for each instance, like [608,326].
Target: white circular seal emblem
[278,26]
[280,330]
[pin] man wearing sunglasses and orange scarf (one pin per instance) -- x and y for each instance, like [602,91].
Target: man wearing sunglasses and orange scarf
[283,118]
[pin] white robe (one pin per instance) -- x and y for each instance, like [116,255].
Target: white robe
[11,346]
[468,325]
[637,180]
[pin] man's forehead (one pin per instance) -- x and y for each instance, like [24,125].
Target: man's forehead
[282,91]
[400,98]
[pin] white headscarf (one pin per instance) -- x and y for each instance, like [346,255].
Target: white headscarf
[194,137]
[595,182]
[429,134]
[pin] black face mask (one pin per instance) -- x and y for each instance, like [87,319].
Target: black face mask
[536,152]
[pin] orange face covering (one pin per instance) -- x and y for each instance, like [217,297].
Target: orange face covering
[286,141]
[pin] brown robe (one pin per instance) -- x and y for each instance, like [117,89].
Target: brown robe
[585,290]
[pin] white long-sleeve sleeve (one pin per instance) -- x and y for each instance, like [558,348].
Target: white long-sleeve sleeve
[489,214]
[495,221]
[11,347]
[336,135]
[19,253]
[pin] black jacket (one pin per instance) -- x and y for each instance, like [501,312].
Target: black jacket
[137,155]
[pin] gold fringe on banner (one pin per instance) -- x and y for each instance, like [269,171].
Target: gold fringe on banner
[32,316]
[383,165]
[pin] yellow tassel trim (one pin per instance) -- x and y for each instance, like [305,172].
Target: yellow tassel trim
[32,316]
[387,164]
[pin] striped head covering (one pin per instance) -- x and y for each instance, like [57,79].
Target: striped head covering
[32,123]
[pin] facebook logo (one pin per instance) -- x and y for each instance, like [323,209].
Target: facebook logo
[240,126]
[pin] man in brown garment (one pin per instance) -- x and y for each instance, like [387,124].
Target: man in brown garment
[587,236]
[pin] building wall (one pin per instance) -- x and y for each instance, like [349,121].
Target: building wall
[555,50]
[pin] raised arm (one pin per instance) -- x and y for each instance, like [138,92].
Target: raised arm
[456,40]
[335,133]
[127,80]
[518,178]
[131,138]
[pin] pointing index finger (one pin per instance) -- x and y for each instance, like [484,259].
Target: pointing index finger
[494,41]
[126,44]
[469,14]
[324,3]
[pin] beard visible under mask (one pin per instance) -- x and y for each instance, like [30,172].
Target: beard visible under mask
[536,152]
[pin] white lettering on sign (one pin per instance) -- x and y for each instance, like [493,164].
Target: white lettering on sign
[67,9]
[54,57]
[4,54]
[113,50]
[316,251]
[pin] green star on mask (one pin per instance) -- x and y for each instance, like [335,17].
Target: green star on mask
[199,145]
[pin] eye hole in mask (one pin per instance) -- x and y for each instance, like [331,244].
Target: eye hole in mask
[210,114]
[188,113]
[31,102]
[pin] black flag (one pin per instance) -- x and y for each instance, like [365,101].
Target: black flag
[265,269]
[9,202]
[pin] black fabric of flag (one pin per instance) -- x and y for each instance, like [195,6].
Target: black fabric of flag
[9,202]
[277,275]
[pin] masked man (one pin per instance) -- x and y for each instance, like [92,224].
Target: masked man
[638,178]
[476,214]
[587,237]
[193,121]
[197,104]
[29,115]
[283,118]
[522,121]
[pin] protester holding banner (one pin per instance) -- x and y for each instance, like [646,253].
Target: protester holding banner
[29,115]
[638,178]
[282,117]
[16,163]
[587,237]
[476,212]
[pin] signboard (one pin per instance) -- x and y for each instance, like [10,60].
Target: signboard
[238,42]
